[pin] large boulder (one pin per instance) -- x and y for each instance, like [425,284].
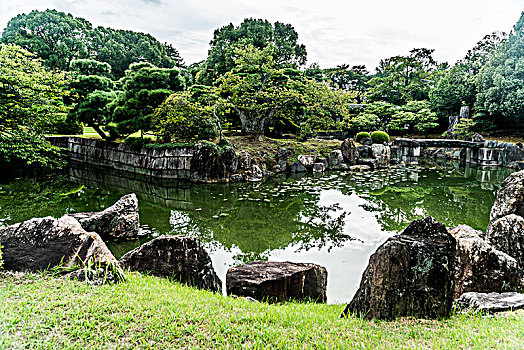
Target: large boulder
[349,151]
[244,160]
[507,234]
[179,257]
[382,154]
[207,165]
[307,160]
[297,167]
[480,267]
[489,302]
[282,157]
[119,220]
[412,273]
[510,198]
[336,160]
[43,243]
[278,281]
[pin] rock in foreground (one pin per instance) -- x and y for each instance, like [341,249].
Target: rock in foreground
[479,267]
[120,220]
[43,243]
[412,273]
[278,281]
[489,302]
[507,234]
[510,198]
[179,257]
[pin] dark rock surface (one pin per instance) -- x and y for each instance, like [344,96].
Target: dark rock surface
[364,151]
[489,302]
[319,168]
[510,198]
[179,257]
[207,164]
[230,159]
[119,220]
[297,167]
[43,243]
[244,160]
[480,267]
[349,151]
[278,281]
[366,141]
[283,156]
[507,234]
[336,160]
[412,273]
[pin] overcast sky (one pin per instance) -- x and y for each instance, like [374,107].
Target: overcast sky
[334,32]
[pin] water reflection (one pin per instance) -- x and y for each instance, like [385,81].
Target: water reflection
[336,219]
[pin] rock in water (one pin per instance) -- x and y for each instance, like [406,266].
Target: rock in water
[489,302]
[510,198]
[507,234]
[42,243]
[278,281]
[335,159]
[180,257]
[382,154]
[410,274]
[121,220]
[480,267]
[207,165]
[349,151]
[307,160]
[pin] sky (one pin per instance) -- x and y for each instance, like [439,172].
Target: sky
[334,32]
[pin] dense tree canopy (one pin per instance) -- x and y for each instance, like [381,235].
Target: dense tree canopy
[500,83]
[30,104]
[60,38]
[287,53]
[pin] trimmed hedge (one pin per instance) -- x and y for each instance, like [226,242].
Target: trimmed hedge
[379,137]
[362,135]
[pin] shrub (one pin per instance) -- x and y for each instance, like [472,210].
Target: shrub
[379,137]
[362,135]
[137,141]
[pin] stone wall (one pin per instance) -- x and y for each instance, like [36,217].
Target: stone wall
[162,164]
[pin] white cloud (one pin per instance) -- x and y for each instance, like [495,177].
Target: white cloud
[334,32]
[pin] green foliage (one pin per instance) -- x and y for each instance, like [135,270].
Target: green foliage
[500,83]
[137,142]
[352,79]
[379,137]
[88,67]
[1,258]
[415,116]
[187,116]
[60,38]
[400,79]
[362,135]
[258,33]
[375,115]
[144,88]
[30,104]
[463,129]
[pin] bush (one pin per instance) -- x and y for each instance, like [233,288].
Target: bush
[379,137]
[362,135]
[137,141]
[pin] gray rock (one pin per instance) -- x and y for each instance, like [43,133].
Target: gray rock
[480,267]
[236,178]
[323,161]
[507,235]
[382,154]
[283,156]
[257,172]
[349,151]
[43,243]
[477,138]
[319,168]
[412,273]
[179,257]
[230,160]
[121,220]
[367,141]
[509,200]
[335,159]
[297,167]
[278,281]
[244,160]
[489,302]
[359,168]
[307,160]
[372,163]
[364,151]
[207,165]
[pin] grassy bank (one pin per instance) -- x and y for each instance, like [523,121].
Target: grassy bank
[148,312]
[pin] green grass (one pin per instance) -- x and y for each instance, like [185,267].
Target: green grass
[38,311]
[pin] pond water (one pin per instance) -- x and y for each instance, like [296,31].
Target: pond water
[336,220]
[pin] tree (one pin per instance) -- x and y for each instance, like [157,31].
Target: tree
[414,116]
[400,79]
[144,88]
[188,116]
[60,38]
[352,79]
[259,33]
[259,92]
[92,93]
[500,83]
[30,103]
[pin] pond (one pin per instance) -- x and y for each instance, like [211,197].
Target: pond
[336,220]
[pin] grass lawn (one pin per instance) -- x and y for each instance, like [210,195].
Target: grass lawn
[38,311]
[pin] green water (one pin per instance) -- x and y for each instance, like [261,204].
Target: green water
[336,220]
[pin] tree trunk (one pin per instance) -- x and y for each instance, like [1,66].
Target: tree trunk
[254,125]
[98,130]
